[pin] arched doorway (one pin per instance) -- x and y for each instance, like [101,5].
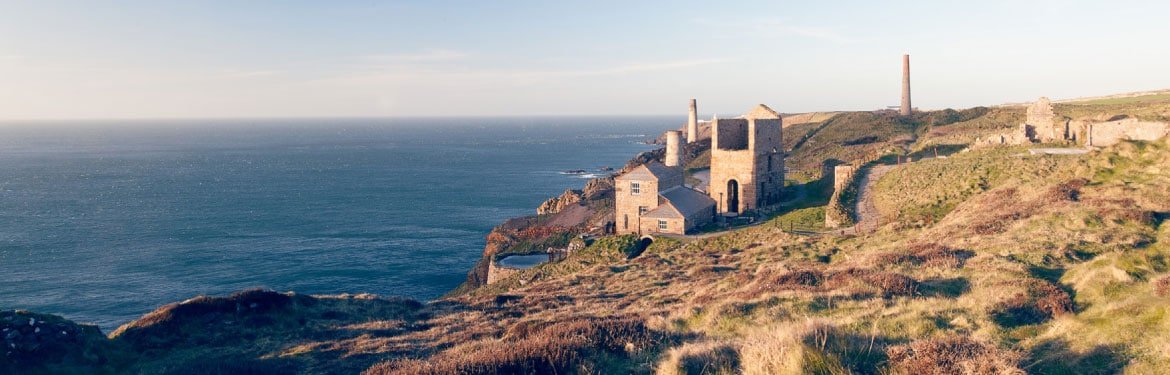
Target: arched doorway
[732,196]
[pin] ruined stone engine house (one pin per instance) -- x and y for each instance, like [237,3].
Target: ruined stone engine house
[747,173]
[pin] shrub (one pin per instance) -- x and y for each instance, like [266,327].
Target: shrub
[952,355]
[769,280]
[1161,286]
[700,358]
[929,254]
[553,347]
[888,283]
[1039,301]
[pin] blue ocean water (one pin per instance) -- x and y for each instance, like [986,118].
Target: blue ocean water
[102,222]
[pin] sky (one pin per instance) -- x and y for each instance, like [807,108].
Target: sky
[231,59]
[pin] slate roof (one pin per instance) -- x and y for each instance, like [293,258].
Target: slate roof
[651,171]
[680,202]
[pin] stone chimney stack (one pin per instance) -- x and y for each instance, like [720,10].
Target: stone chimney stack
[693,123]
[905,111]
[673,149]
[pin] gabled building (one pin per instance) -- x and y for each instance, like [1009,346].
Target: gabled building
[680,210]
[651,198]
[747,172]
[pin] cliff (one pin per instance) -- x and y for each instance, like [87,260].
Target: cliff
[986,261]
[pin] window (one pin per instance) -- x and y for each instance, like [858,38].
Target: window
[642,210]
[635,188]
[625,221]
[661,224]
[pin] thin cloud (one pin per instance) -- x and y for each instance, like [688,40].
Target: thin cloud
[238,73]
[434,74]
[777,28]
[430,55]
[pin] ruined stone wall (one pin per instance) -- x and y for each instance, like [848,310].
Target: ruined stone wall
[732,165]
[729,134]
[751,154]
[1110,133]
[835,213]
[842,174]
[1045,123]
[767,144]
[626,203]
[497,273]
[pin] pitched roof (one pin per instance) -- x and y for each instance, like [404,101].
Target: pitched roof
[683,202]
[762,112]
[650,171]
[664,211]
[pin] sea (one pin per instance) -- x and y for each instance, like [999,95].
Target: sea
[104,221]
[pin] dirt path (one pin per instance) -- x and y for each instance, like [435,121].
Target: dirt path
[868,216]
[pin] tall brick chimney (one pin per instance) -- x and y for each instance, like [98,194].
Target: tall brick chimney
[905,110]
[673,156]
[693,123]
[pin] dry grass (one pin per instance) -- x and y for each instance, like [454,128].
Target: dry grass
[1161,286]
[952,355]
[557,347]
[694,358]
[925,254]
[813,347]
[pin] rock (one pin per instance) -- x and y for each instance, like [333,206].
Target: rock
[598,188]
[554,205]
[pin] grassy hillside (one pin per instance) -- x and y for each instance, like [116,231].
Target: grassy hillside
[1028,272]
[988,262]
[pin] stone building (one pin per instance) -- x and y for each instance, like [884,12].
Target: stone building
[747,161]
[652,199]
[747,172]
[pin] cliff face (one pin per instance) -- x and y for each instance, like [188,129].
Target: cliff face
[1012,262]
[558,204]
[558,220]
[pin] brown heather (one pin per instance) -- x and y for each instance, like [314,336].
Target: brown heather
[952,355]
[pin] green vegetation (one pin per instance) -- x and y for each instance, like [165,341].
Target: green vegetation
[988,261]
[1157,109]
[924,192]
[1143,99]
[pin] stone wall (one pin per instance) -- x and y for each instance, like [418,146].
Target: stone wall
[1111,132]
[627,203]
[729,134]
[751,155]
[727,166]
[835,214]
[674,226]
[842,174]
[1045,125]
[497,273]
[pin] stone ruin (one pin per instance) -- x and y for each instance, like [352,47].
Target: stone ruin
[1043,125]
[842,176]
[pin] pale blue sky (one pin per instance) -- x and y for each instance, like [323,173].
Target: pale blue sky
[132,59]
